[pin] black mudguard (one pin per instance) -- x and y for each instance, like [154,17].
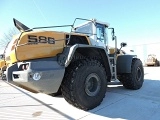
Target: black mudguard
[124,63]
[9,72]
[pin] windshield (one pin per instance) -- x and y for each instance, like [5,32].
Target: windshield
[86,29]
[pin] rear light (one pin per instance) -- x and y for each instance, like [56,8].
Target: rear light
[24,66]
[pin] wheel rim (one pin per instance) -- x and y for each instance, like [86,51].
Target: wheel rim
[139,74]
[92,84]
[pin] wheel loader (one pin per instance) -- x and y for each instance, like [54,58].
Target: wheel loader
[3,64]
[152,60]
[3,67]
[78,63]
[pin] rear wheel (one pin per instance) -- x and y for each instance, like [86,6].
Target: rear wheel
[156,63]
[3,76]
[84,84]
[135,79]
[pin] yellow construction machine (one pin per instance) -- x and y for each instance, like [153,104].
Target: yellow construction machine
[2,63]
[152,60]
[77,63]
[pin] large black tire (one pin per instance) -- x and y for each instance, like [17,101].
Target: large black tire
[84,84]
[156,63]
[3,76]
[135,79]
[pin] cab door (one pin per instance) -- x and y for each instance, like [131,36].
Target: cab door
[101,35]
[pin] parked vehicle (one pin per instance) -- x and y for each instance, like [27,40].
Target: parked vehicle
[152,60]
[77,63]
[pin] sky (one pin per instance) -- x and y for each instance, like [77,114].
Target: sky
[135,21]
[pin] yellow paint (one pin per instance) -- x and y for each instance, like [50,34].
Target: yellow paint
[22,51]
[112,51]
[2,63]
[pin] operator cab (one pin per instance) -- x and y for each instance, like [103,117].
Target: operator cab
[95,30]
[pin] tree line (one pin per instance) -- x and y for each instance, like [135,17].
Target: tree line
[7,37]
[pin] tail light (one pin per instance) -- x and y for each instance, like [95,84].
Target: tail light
[24,66]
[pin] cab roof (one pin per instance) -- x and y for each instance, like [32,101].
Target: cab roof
[100,22]
[94,21]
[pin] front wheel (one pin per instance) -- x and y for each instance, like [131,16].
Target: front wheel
[84,84]
[135,79]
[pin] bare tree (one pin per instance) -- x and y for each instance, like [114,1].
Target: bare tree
[7,37]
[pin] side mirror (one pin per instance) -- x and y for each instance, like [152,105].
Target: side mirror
[112,33]
[113,38]
[123,44]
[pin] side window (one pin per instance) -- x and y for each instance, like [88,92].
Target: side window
[100,32]
[86,29]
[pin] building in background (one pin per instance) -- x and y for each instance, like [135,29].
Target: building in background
[142,51]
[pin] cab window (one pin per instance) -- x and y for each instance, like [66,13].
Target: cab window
[85,29]
[100,29]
